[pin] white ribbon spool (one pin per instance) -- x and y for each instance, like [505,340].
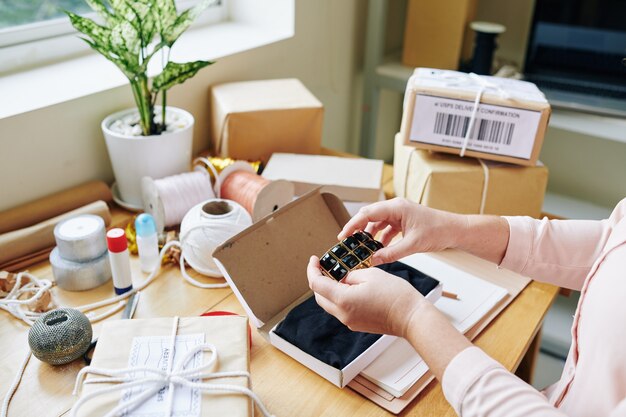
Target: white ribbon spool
[81,238]
[79,276]
[206,226]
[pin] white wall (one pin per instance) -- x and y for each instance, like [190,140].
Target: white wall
[60,146]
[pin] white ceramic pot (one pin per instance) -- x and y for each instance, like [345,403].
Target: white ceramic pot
[156,156]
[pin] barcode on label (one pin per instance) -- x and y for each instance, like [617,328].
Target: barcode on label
[493,131]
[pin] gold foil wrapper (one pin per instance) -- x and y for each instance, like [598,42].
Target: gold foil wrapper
[221,163]
[171,257]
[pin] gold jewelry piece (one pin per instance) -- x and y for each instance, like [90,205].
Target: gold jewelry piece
[354,252]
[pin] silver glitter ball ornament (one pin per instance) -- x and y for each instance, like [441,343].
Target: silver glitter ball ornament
[60,336]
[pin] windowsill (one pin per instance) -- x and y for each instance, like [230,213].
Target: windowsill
[605,127]
[74,78]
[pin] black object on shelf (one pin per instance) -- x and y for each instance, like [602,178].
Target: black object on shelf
[484,46]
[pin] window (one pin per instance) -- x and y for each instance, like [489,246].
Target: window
[36,32]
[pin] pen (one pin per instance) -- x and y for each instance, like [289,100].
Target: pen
[450,295]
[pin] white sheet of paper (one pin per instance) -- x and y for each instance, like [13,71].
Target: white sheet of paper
[154,352]
[399,367]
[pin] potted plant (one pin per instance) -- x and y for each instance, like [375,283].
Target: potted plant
[148,140]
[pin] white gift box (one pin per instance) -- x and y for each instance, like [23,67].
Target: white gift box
[265,266]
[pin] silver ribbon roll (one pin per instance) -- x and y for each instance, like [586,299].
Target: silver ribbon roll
[81,238]
[60,336]
[80,276]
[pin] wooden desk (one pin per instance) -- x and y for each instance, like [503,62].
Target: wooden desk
[286,387]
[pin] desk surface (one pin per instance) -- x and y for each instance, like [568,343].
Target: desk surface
[286,387]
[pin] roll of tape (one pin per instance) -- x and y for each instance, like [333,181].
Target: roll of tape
[81,238]
[80,276]
[60,336]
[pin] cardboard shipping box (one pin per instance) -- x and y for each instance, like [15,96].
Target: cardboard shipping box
[452,183]
[253,119]
[145,342]
[510,122]
[265,266]
[351,179]
[449,21]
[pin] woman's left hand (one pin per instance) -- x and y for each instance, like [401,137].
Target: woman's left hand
[368,300]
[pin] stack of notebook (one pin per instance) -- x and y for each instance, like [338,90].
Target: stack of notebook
[399,374]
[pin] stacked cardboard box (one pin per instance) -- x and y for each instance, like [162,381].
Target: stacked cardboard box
[509,123]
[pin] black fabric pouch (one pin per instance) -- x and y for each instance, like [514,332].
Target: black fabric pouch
[322,336]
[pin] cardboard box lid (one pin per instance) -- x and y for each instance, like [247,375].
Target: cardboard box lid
[266,263]
[351,179]
[248,96]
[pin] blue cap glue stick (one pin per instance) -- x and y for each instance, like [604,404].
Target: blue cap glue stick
[147,242]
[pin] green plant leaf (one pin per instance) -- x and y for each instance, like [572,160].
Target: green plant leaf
[175,73]
[125,39]
[98,34]
[145,21]
[126,68]
[183,21]
[99,7]
[166,11]
[122,10]
[107,42]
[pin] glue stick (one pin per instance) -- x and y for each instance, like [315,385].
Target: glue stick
[147,242]
[120,260]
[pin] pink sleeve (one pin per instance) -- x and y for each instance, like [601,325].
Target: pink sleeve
[476,385]
[560,252]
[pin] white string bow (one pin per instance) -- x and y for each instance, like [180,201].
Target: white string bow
[183,375]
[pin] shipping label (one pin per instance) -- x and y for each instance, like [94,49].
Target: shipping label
[497,130]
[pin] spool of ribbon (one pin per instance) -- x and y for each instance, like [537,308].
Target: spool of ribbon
[259,196]
[154,380]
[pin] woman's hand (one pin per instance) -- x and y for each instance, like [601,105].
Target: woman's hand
[423,229]
[367,300]
[371,300]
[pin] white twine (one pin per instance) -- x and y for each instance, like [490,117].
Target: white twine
[180,192]
[471,80]
[483,197]
[14,384]
[182,375]
[15,306]
[18,307]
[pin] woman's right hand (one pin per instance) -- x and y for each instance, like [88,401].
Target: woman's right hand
[423,229]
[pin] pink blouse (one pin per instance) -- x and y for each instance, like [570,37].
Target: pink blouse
[584,255]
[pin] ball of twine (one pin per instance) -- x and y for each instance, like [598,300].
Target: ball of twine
[205,227]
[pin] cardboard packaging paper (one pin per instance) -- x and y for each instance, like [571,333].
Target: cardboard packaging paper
[452,183]
[253,119]
[510,121]
[265,266]
[229,334]
[351,179]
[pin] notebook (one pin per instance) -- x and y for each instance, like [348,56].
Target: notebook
[399,367]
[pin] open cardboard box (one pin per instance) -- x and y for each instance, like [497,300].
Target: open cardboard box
[265,266]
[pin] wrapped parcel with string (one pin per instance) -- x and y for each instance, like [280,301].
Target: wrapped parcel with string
[208,376]
[493,118]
